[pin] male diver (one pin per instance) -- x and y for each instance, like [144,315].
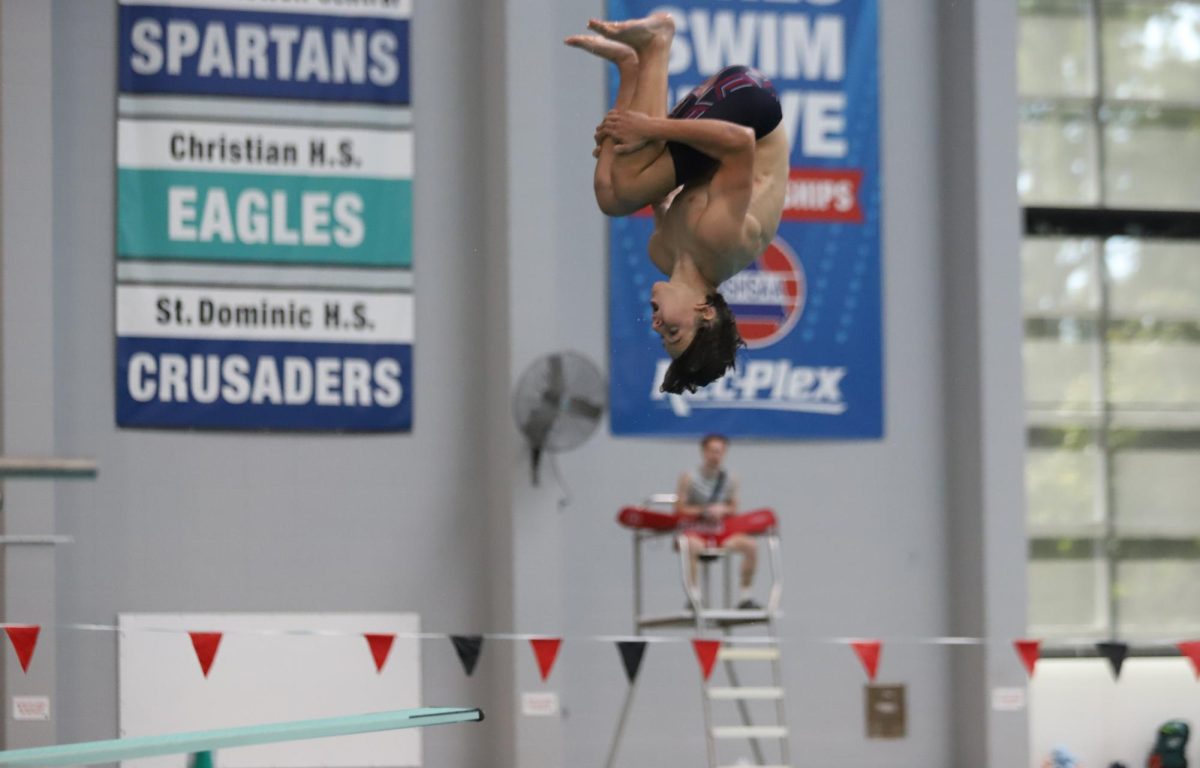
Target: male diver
[715,173]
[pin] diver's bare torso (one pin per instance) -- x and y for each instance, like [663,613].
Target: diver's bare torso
[678,218]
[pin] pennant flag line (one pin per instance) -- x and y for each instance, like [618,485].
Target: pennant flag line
[546,651]
[739,640]
[1115,653]
[1191,649]
[205,644]
[632,652]
[467,647]
[24,640]
[868,653]
[706,654]
[381,647]
[1029,651]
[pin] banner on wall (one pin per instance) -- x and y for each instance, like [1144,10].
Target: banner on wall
[264,215]
[810,307]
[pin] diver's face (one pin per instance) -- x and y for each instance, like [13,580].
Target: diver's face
[676,313]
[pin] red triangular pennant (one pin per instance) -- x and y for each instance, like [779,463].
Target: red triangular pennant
[546,651]
[706,654]
[868,653]
[205,644]
[24,640]
[1029,651]
[1191,649]
[381,646]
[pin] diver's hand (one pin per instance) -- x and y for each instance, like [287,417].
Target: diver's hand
[719,511]
[599,138]
[628,129]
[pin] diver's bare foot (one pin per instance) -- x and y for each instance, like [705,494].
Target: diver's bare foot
[639,34]
[618,53]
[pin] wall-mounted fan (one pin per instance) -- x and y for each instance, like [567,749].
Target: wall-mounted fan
[557,403]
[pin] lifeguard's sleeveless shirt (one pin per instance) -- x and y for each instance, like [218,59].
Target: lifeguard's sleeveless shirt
[700,488]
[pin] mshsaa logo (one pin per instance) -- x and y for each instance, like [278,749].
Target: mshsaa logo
[768,296]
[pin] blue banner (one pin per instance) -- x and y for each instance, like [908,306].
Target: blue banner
[810,307]
[239,384]
[221,52]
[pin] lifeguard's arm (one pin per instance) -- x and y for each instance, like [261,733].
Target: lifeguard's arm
[681,492]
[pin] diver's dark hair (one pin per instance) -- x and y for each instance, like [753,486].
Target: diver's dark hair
[712,352]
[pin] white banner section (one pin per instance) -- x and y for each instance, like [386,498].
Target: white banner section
[184,145]
[264,315]
[380,9]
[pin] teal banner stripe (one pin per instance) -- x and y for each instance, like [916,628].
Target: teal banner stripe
[249,217]
[113,750]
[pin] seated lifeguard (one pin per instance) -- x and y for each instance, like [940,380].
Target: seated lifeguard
[705,498]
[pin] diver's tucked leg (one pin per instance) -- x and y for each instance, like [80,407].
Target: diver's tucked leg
[647,175]
[651,38]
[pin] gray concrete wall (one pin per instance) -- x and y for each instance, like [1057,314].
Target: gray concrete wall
[982,331]
[510,264]
[27,336]
[184,521]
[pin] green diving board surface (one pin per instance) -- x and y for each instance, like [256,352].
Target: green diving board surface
[46,467]
[87,753]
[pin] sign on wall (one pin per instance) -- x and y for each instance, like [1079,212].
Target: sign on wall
[264,215]
[810,307]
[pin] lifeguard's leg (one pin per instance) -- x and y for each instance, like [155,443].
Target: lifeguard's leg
[694,565]
[690,548]
[647,175]
[748,548]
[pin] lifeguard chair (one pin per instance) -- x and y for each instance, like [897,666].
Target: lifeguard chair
[655,519]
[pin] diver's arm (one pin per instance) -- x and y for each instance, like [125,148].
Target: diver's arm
[719,139]
[716,138]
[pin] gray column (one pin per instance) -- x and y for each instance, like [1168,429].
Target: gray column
[27,344]
[984,402]
[522,309]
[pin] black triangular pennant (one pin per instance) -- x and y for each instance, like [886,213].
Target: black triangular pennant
[467,647]
[632,652]
[1115,653]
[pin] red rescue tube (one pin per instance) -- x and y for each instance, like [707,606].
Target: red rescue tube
[639,518]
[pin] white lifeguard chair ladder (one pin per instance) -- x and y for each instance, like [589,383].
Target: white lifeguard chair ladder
[706,618]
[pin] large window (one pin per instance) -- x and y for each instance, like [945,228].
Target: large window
[1110,182]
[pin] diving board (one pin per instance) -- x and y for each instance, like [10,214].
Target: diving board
[47,467]
[87,753]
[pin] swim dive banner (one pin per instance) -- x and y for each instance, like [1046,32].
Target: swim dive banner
[264,215]
[810,307]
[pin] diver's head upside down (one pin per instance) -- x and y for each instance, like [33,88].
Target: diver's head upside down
[700,333]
